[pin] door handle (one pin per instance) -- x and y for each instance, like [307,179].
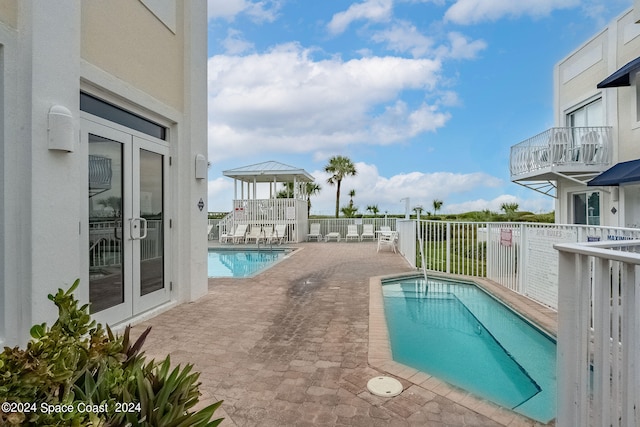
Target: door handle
[143,228]
[133,225]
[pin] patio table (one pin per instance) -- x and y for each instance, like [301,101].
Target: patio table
[332,235]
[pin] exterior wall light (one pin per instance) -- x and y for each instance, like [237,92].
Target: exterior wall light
[201,166]
[60,129]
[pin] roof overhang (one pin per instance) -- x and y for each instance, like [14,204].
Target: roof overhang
[621,173]
[622,77]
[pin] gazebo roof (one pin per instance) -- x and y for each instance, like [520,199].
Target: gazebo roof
[269,172]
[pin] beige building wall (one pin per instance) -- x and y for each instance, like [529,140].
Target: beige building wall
[125,39]
[9,13]
[576,80]
[577,74]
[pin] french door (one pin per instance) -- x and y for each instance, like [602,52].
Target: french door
[127,221]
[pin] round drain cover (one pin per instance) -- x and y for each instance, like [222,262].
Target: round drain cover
[384,386]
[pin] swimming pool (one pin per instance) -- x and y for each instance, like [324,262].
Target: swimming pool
[242,263]
[458,333]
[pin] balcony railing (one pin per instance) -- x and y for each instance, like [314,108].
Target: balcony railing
[570,150]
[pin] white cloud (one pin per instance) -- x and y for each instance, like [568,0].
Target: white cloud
[461,47]
[404,37]
[259,11]
[235,44]
[370,10]
[475,11]
[285,101]
[220,193]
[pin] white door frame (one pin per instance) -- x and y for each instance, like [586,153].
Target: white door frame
[132,224]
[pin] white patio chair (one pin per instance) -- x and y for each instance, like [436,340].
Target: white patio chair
[279,234]
[314,231]
[559,142]
[388,240]
[367,232]
[385,229]
[255,233]
[589,146]
[240,233]
[352,232]
[225,237]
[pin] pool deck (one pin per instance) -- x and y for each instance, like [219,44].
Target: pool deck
[296,345]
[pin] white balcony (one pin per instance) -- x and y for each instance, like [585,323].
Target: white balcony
[578,153]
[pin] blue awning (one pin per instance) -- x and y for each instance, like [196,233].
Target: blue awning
[621,173]
[622,76]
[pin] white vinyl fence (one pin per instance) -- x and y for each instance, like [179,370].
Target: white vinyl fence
[339,225]
[598,334]
[518,256]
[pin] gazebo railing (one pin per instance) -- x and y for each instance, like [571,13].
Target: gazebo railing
[268,213]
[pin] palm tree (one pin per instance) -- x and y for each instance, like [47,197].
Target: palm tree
[373,209]
[340,167]
[509,209]
[286,192]
[437,204]
[349,211]
[311,189]
[352,194]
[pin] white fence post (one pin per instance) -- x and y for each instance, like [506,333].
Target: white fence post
[572,367]
[447,238]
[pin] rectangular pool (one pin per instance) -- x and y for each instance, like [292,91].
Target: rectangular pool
[242,263]
[458,333]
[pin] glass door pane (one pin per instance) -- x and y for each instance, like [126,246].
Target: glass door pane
[106,249]
[152,220]
[580,208]
[593,209]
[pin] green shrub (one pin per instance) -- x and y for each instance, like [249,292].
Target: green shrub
[76,373]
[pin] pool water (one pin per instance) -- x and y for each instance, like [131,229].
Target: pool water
[458,333]
[242,263]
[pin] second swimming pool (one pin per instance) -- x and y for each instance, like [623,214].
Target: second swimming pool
[242,263]
[460,334]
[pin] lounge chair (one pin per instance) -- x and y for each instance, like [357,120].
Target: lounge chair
[352,232]
[255,233]
[279,234]
[224,237]
[367,231]
[240,233]
[388,239]
[314,231]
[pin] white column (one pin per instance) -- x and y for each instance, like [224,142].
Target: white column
[51,181]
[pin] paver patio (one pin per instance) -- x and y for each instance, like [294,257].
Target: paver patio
[289,347]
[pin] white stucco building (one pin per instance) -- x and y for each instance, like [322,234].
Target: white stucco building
[597,129]
[102,157]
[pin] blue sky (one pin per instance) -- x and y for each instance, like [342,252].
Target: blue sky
[425,96]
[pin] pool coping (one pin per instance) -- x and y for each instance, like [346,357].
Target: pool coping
[380,356]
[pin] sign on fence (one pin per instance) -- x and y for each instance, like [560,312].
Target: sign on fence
[541,263]
[506,237]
